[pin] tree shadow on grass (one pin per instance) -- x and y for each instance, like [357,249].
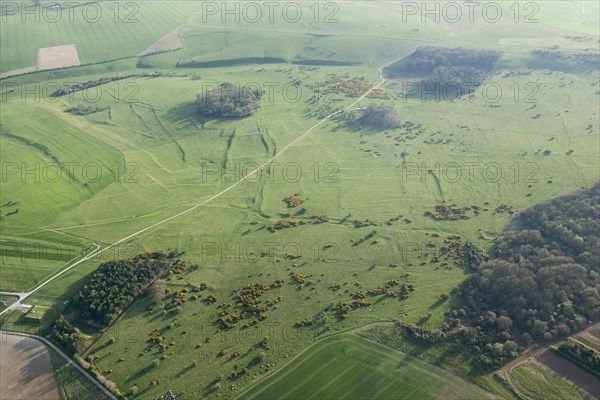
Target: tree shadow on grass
[437,304]
[140,373]
[185,115]
[185,370]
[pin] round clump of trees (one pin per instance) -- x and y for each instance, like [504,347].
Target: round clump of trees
[378,116]
[229,101]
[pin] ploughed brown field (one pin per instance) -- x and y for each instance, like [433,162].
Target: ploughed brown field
[26,370]
[590,337]
[581,378]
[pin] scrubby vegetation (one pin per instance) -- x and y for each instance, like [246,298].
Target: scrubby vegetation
[557,59]
[293,201]
[229,101]
[68,337]
[83,109]
[248,305]
[349,87]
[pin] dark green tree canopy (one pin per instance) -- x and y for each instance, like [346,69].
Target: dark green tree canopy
[229,101]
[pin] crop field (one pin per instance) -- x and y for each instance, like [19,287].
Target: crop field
[118,30]
[571,372]
[590,337]
[536,381]
[337,368]
[29,263]
[332,214]
[57,57]
[71,383]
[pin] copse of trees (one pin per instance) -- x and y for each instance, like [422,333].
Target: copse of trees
[229,101]
[79,86]
[427,58]
[68,337]
[450,72]
[542,281]
[378,117]
[117,283]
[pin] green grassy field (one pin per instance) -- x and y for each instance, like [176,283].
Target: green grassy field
[26,264]
[169,159]
[534,381]
[339,368]
[450,356]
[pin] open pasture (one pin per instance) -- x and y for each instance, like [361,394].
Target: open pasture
[371,190]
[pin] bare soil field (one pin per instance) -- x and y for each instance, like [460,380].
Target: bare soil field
[589,340]
[57,57]
[170,41]
[570,371]
[591,337]
[26,370]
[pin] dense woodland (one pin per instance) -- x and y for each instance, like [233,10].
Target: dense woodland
[117,283]
[452,72]
[427,58]
[454,81]
[229,101]
[541,283]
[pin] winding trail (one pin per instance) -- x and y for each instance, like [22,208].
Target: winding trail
[98,250]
